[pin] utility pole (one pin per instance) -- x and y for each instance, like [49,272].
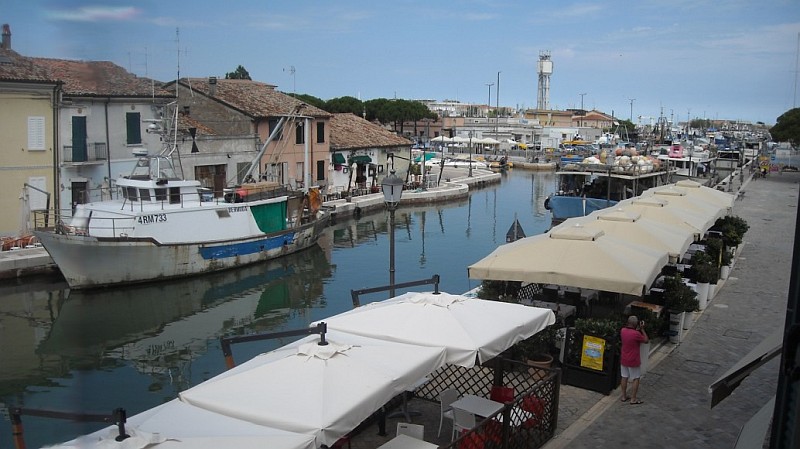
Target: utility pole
[582,100]
[489,104]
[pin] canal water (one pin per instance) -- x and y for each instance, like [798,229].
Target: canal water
[138,347]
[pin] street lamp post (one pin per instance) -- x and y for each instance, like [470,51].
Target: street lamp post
[392,188]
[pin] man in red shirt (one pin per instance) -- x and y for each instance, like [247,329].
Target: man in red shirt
[632,335]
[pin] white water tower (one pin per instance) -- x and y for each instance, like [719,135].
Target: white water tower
[545,69]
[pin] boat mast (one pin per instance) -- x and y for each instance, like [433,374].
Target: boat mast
[257,159]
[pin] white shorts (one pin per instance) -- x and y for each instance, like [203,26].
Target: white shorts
[630,372]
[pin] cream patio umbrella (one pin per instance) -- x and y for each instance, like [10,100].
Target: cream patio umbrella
[471,330]
[680,197]
[631,226]
[659,209]
[574,256]
[708,194]
[320,390]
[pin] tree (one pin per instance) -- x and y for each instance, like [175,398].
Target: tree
[345,104]
[787,127]
[310,100]
[239,74]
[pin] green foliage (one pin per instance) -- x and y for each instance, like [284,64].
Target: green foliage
[704,268]
[716,249]
[506,291]
[679,296]
[239,74]
[311,100]
[787,127]
[700,123]
[605,328]
[543,342]
[345,104]
[732,228]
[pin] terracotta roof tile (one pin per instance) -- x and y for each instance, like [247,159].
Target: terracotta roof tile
[349,131]
[254,98]
[15,67]
[99,78]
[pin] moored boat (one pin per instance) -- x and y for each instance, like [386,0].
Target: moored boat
[161,226]
[589,184]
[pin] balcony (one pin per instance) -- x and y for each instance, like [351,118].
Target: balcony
[95,152]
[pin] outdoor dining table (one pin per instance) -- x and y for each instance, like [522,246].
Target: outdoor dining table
[477,405]
[407,442]
[562,310]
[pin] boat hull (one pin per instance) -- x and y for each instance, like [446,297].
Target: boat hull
[92,262]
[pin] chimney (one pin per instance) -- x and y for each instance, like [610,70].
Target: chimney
[6,37]
[212,85]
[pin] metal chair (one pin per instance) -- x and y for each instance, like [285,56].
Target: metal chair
[462,420]
[413,430]
[446,398]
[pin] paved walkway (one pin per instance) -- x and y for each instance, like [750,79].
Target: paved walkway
[676,412]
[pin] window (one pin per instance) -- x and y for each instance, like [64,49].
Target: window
[273,123]
[320,132]
[299,135]
[320,170]
[144,194]
[161,194]
[133,122]
[36,133]
[174,195]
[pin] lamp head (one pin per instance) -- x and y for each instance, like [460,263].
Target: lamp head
[392,188]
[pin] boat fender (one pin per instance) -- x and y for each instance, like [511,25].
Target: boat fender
[357,212]
[547,203]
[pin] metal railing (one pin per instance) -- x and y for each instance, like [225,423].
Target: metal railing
[95,151]
[117,416]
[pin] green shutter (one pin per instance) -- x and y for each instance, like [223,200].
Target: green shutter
[133,122]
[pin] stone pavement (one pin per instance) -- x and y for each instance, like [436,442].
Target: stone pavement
[676,412]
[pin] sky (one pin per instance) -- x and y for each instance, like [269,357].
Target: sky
[713,59]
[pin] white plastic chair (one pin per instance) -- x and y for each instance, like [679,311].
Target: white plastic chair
[462,420]
[413,430]
[446,398]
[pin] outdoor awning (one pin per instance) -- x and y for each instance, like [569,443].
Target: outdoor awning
[761,354]
[360,159]
[338,159]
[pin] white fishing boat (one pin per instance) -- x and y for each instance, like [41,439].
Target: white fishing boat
[688,161]
[161,226]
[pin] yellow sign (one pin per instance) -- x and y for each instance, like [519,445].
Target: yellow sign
[592,352]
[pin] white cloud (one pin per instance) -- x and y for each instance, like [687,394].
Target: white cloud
[95,14]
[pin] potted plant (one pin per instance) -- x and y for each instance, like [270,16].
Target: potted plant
[732,229]
[679,298]
[704,272]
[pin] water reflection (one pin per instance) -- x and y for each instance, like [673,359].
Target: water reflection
[157,328]
[137,347]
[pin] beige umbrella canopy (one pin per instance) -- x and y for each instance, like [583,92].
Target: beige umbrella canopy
[662,210]
[696,189]
[574,256]
[680,197]
[631,226]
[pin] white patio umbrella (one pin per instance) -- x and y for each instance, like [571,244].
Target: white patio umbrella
[490,141]
[471,330]
[324,391]
[441,139]
[177,424]
[631,226]
[574,256]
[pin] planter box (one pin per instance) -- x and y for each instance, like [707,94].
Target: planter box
[604,381]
